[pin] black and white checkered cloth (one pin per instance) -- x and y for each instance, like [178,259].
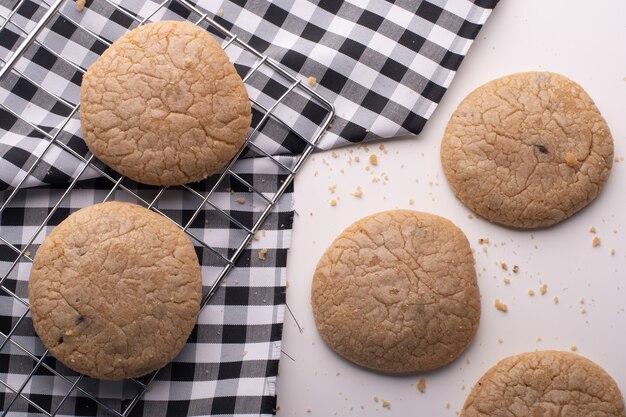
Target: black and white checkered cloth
[383,64]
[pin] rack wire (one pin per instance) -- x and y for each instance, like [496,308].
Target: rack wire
[273,130]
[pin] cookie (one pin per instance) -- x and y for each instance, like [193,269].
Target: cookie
[527,150]
[115,290]
[163,105]
[545,384]
[396,292]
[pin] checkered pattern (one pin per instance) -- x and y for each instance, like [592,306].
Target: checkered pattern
[384,67]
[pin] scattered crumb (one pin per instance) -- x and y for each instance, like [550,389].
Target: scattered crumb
[504,266]
[596,241]
[262,253]
[483,240]
[375,399]
[411,202]
[506,280]
[386,404]
[421,384]
[570,159]
[373,159]
[312,81]
[470,216]
[244,353]
[501,306]
[531,292]
[581,300]
[332,188]
[333,202]
[500,340]
[27,253]
[241,200]
[538,338]
[448,404]
[308,410]
[612,251]
[583,311]
[334,154]
[220,12]
[358,193]
[80,5]
[555,299]
[573,348]
[592,229]
[256,236]
[543,289]
[515,269]
[357,158]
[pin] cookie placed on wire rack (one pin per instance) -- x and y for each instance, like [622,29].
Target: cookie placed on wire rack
[545,384]
[527,150]
[164,105]
[115,290]
[397,292]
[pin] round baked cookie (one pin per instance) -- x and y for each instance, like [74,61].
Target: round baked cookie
[527,150]
[163,105]
[396,292]
[545,384]
[115,291]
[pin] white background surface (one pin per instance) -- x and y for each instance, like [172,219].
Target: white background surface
[585,41]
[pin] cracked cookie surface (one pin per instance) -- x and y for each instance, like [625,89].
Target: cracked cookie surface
[527,150]
[396,292]
[545,384]
[115,291]
[163,105]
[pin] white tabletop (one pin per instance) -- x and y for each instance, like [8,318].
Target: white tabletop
[585,41]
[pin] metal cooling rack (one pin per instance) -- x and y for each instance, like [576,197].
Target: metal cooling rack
[267,111]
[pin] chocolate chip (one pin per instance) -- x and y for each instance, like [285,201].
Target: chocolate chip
[541,149]
[80,319]
[60,340]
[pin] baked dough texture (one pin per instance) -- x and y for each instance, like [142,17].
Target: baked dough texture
[115,291]
[396,292]
[163,105]
[527,150]
[545,384]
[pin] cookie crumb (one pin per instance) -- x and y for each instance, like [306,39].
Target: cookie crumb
[373,159]
[596,241]
[448,404]
[538,339]
[506,280]
[501,306]
[241,200]
[583,311]
[555,299]
[332,189]
[27,253]
[504,266]
[256,236]
[573,348]
[312,81]
[375,399]
[543,289]
[500,340]
[483,241]
[357,158]
[411,202]
[80,5]
[333,202]
[386,404]
[531,292]
[421,385]
[612,251]
[358,193]
[220,12]
[262,253]
[581,300]
[570,159]
[515,269]
[592,229]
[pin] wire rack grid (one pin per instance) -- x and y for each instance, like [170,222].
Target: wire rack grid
[272,124]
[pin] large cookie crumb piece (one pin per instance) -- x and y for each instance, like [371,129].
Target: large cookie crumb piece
[545,384]
[115,290]
[163,105]
[527,150]
[396,292]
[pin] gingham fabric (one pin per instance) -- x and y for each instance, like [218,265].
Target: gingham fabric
[383,64]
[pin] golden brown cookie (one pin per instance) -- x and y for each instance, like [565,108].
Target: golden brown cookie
[115,290]
[396,292]
[545,384]
[527,150]
[163,105]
